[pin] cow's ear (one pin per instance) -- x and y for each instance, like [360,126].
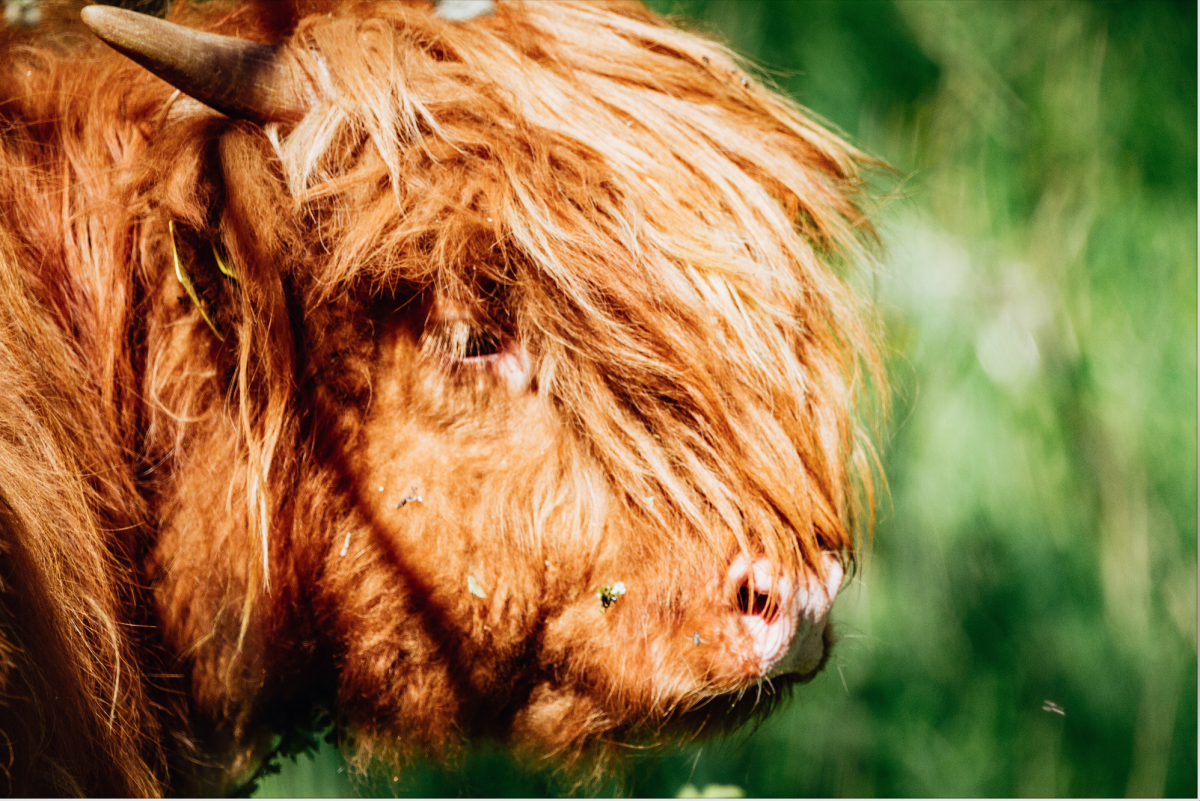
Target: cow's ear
[258,218]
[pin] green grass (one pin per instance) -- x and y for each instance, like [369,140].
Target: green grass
[1039,294]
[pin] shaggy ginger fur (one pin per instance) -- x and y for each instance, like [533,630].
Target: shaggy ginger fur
[521,307]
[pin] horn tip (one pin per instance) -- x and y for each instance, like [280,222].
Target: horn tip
[108,22]
[91,15]
[95,16]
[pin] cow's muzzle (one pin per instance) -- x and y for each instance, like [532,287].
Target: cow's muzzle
[784,620]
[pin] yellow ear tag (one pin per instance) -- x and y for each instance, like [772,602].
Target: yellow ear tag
[225,269]
[185,279]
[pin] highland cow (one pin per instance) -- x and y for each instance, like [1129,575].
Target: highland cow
[437,376]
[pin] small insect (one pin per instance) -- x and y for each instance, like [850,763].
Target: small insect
[1050,706]
[697,639]
[414,498]
[609,594]
[474,588]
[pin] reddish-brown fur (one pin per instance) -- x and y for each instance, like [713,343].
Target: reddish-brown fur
[195,549]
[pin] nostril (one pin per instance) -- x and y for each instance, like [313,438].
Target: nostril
[759,593]
[750,602]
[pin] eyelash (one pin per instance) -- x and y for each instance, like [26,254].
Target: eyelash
[463,342]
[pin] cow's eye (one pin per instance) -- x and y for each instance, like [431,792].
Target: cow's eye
[466,341]
[468,345]
[462,341]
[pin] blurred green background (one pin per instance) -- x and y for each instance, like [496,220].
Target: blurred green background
[1039,296]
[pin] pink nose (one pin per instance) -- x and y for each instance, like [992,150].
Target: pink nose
[785,622]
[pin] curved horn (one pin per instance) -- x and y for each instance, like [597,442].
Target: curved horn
[237,77]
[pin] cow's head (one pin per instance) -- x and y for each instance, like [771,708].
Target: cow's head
[544,356]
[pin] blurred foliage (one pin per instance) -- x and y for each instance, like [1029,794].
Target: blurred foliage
[1039,299]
